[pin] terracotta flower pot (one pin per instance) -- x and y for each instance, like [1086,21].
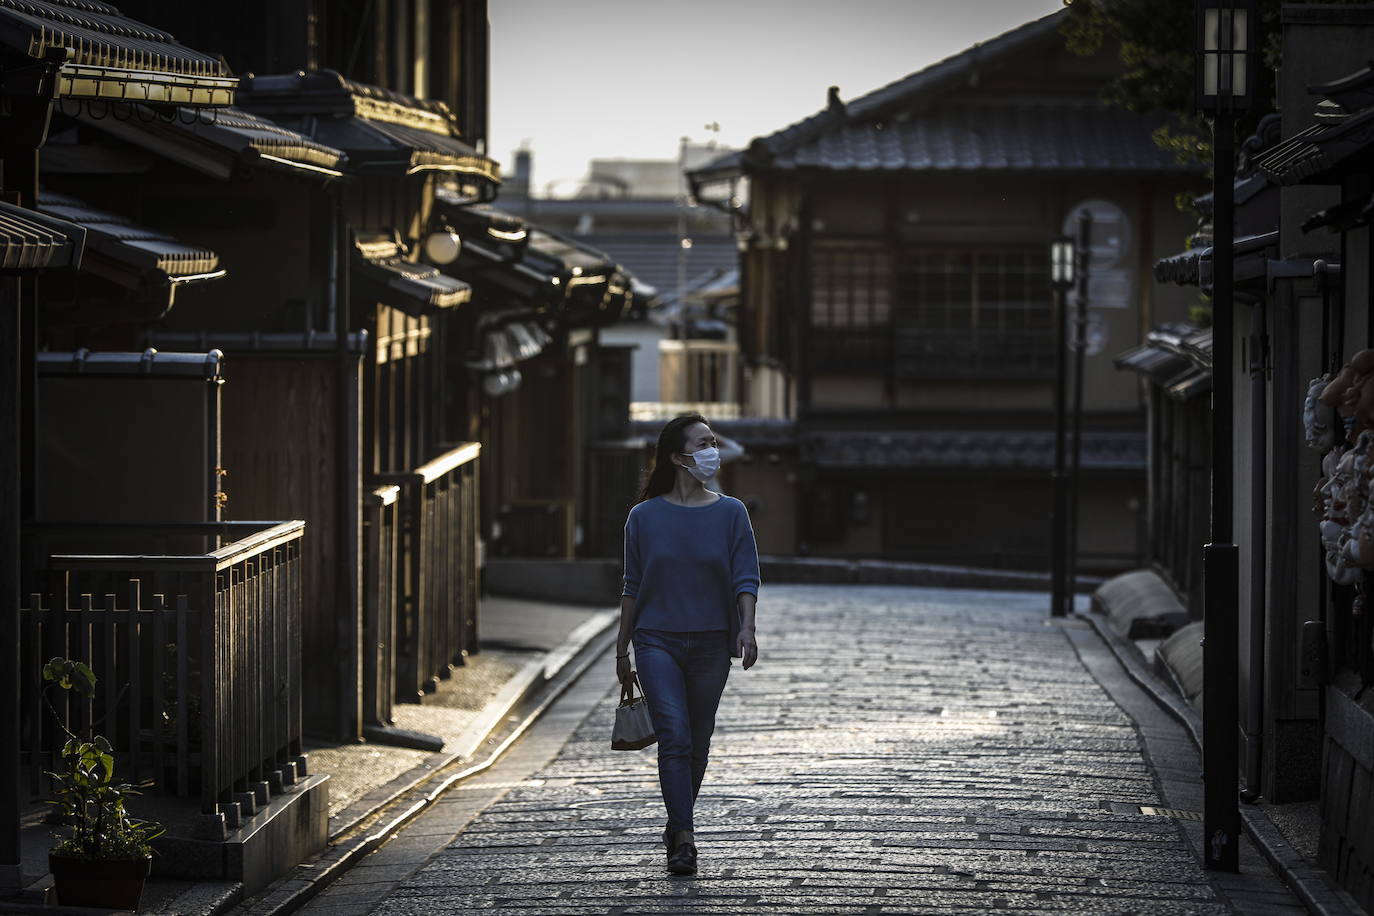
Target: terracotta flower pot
[114,884]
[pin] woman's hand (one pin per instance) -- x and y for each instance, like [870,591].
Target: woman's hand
[623,672]
[747,647]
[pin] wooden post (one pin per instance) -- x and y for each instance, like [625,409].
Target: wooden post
[19,179]
[11,347]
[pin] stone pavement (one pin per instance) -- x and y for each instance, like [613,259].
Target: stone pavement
[896,750]
[513,632]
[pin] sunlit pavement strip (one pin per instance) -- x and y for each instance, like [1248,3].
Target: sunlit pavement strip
[896,750]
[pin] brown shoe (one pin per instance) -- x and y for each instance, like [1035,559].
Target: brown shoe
[682,854]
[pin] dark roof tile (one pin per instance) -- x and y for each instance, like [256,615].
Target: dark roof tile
[993,137]
[98,36]
[653,256]
[966,449]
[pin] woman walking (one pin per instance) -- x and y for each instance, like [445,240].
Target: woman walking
[691,584]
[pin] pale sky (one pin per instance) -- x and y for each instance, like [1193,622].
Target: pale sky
[584,79]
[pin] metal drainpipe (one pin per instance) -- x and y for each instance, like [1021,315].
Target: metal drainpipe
[1259,521]
[348,517]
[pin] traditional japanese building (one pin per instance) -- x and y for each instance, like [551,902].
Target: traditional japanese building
[895,306]
[1299,496]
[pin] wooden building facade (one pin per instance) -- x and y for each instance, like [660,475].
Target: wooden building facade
[896,303]
[253,299]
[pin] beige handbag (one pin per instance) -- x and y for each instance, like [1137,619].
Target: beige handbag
[633,728]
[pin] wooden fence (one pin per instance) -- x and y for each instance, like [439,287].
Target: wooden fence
[436,591]
[198,660]
[381,553]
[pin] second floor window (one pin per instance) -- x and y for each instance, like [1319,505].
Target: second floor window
[931,311]
[851,288]
[990,291]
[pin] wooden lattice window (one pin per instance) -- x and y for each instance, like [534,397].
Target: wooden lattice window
[1000,291]
[851,288]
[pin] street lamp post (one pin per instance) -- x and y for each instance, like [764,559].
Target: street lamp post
[1061,281]
[1225,39]
[1083,250]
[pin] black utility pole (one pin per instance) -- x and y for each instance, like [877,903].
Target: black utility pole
[1224,42]
[1221,558]
[1080,344]
[1061,280]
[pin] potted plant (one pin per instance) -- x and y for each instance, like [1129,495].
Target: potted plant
[104,858]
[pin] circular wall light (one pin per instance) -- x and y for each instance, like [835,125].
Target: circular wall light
[443,247]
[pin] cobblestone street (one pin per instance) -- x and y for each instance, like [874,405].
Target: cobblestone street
[895,750]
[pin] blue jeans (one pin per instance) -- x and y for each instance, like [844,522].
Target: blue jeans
[683,676]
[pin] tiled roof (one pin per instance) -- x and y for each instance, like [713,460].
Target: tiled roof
[967,449]
[907,126]
[1343,216]
[1318,150]
[382,272]
[112,57]
[517,264]
[1040,136]
[127,243]
[100,36]
[1177,358]
[1154,363]
[217,142]
[29,240]
[1353,92]
[957,69]
[1194,266]
[574,258]
[653,256]
[376,127]
[903,92]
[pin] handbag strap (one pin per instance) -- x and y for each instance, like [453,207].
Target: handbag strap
[627,689]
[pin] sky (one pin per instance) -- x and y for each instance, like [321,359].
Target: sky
[582,79]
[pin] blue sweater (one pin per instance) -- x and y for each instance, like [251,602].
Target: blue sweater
[686,565]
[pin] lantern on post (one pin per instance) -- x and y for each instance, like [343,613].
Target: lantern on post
[1062,263]
[1224,84]
[1062,266]
[1225,42]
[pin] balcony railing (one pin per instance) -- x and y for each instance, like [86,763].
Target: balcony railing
[435,607]
[666,410]
[698,370]
[909,353]
[382,531]
[198,658]
[978,353]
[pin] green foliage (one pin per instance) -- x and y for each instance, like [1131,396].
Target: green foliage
[1200,313]
[90,804]
[70,675]
[1156,41]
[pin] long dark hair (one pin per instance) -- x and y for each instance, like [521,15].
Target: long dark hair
[661,476]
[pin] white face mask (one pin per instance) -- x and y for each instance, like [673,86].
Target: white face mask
[707,463]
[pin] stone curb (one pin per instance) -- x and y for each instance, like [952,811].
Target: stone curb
[832,571]
[1312,885]
[294,890]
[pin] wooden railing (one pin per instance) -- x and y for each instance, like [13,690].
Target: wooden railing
[698,370]
[381,553]
[198,660]
[436,591]
[911,353]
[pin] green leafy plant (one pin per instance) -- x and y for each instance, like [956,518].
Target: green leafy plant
[1155,41]
[89,803]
